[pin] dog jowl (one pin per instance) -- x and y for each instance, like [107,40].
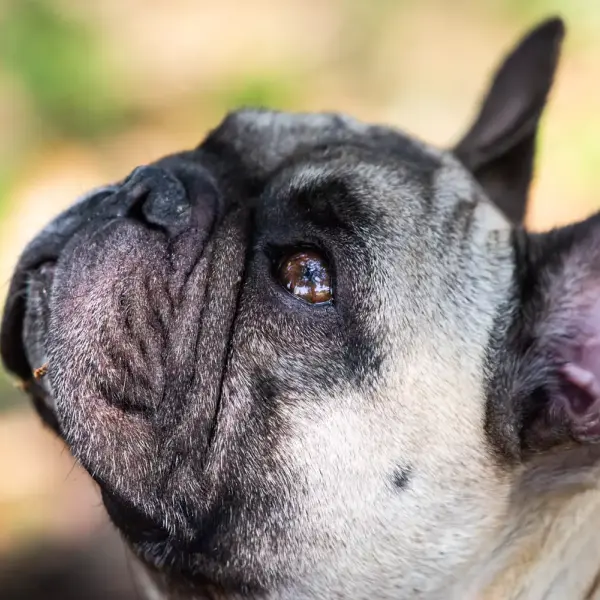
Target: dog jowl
[314,358]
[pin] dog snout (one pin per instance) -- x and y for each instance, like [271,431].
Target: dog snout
[171,200]
[157,199]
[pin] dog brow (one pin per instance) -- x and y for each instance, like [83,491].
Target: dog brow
[330,202]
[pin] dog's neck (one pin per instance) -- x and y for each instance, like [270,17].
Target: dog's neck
[549,546]
[546,549]
[550,551]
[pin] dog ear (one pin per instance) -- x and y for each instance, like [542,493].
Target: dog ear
[546,388]
[499,147]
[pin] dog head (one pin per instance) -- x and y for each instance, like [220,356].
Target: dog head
[312,357]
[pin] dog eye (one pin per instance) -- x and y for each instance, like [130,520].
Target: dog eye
[306,275]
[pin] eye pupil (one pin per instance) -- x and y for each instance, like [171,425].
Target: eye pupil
[306,275]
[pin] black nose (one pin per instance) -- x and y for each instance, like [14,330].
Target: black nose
[169,197]
[155,197]
[168,200]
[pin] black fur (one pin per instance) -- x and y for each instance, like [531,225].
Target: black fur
[499,148]
[401,477]
[183,375]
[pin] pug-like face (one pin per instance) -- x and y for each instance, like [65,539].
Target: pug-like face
[308,358]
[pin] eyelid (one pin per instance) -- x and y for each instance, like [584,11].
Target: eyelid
[278,253]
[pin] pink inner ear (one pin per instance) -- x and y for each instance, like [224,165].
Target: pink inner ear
[581,389]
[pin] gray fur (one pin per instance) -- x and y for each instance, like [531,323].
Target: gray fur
[249,445]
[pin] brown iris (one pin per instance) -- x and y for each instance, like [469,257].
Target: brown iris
[306,275]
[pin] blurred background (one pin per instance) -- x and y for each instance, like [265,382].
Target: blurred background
[89,90]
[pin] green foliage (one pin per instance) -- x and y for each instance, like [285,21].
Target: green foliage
[59,63]
[272,91]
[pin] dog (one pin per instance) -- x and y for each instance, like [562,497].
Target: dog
[315,358]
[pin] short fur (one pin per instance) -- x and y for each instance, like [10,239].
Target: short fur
[422,436]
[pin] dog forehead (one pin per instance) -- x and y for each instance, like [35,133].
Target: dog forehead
[380,167]
[264,139]
[286,129]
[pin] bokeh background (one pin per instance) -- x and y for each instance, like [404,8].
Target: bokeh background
[89,90]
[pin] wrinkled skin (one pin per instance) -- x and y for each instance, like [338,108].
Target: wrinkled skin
[250,444]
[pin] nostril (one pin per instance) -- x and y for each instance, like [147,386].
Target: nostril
[169,200]
[156,198]
[138,211]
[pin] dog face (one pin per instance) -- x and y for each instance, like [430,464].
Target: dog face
[310,358]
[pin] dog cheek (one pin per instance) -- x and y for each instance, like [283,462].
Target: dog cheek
[104,359]
[108,324]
